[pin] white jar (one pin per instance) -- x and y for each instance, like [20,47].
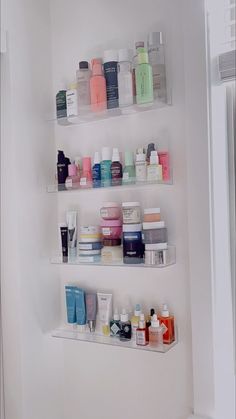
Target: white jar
[131,212]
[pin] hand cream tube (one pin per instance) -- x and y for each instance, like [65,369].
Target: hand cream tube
[91,310]
[64,242]
[80,307]
[104,308]
[71,218]
[70,303]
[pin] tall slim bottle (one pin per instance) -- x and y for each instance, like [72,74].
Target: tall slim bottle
[157,60]
[139,44]
[143,78]
[98,87]
[111,76]
[125,80]
[83,77]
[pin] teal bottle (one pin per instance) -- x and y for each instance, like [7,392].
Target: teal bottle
[106,167]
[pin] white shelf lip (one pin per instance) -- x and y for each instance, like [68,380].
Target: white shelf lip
[57,260]
[89,116]
[67,333]
[53,188]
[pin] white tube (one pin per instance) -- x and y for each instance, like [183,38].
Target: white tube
[71,219]
[104,307]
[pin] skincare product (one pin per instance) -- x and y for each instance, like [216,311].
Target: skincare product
[111,229]
[104,310]
[71,218]
[131,212]
[164,160]
[98,87]
[157,60]
[116,168]
[97,170]
[129,169]
[70,304]
[61,104]
[110,211]
[78,163]
[106,167]
[72,100]
[154,169]
[143,77]
[115,324]
[62,169]
[141,332]
[133,247]
[167,322]
[125,326]
[80,308]
[151,147]
[151,215]
[73,180]
[138,44]
[64,242]
[110,73]
[90,246]
[90,234]
[112,251]
[141,167]
[83,82]
[125,79]
[155,332]
[135,319]
[148,322]
[154,232]
[86,177]
[91,310]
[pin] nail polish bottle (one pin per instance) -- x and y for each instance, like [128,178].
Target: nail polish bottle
[115,324]
[148,322]
[168,324]
[125,326]
[141,332]
[155,332]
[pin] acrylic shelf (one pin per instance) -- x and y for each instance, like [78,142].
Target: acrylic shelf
[66,333]
[171,260]
[53,188]
[88,116]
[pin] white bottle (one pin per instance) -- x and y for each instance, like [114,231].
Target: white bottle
[125,78]
[154,169]
[157,60]
[155,333]
[141,167]
[83,82]
[72,100]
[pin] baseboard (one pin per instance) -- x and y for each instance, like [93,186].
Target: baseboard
[198,417]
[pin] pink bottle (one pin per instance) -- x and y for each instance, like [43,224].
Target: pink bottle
[164,160]
[86,177]
[98,87]
[73,180]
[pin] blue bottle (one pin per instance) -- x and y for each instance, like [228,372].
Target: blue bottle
[110,67]
[96,170]
[106,167]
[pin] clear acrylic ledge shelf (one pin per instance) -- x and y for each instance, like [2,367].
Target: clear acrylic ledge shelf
[88,116]
[88,261]
[71,333]
[54,188]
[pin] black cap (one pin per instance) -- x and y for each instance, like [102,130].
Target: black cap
[60,156]
[152,311]
[84,65]
[151,147]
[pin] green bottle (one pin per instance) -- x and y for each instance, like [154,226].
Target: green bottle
[143,78]
[129,169]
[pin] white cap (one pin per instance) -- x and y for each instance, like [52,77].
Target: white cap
[141,157]
[153,225]
[97,158]
[165,312]
[154,159]
[142,321]
[124,54]
[106,153]
[155,38]
[130,204]
[115,155]
[131,228]
[124,317]
[110,55]
[137,310]
[116,315]
[139,44]
[154,321]
[152,211]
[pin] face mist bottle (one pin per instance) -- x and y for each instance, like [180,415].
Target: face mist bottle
[125,80]
[83,82]
[98,87]
[143,77]
[86,177]
[157,60]
[125,326]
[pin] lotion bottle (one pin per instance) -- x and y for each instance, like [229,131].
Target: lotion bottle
[111,76]
[83,77]
[143,78]
[157,60]
[125,80]
[98,87]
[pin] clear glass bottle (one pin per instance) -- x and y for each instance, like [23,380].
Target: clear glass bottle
[155,332]
[141,333]
[125,79]
[83,76]
[156,55]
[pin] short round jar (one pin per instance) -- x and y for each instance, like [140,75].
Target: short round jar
[112,252]
[90,246]
[133,248]
[110,211]
[154,233]
[90,230]
[151,215]
[131,212]
[111,229]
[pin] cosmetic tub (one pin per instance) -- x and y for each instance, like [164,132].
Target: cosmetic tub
[110,211]
[112,251]
[151,215]
[90,246]
[111,229]
[154,232]
[131,212]
[90,259]
[90,230]
[89,252]
[133,248]
[90,234]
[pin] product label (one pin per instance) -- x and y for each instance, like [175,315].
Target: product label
[132,236]
[110,73]
[126,176]
[140,337]
[85,246]
[115,329]
[141,173]
[68,183]
[104,213]
[132,215]
[106,256]
[83,181]
[106,231]
[164,328]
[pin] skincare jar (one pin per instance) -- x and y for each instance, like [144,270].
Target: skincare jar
[112,251]
[110,211]
[154,232]
[90,234]
[131,212]
[111,229]
[151,215]
[90,246]
[156,254]
[133,248]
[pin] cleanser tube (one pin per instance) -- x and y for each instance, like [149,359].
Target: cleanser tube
[71,218]
[64,242]
[80,308]
[105,311]
[70,304]
[91,310]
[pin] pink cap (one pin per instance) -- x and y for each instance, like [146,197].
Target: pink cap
[72,170]
[111,223]
[86,163]
[96,67]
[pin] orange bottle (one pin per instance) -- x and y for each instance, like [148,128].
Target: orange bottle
[168,324]
[98,93]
